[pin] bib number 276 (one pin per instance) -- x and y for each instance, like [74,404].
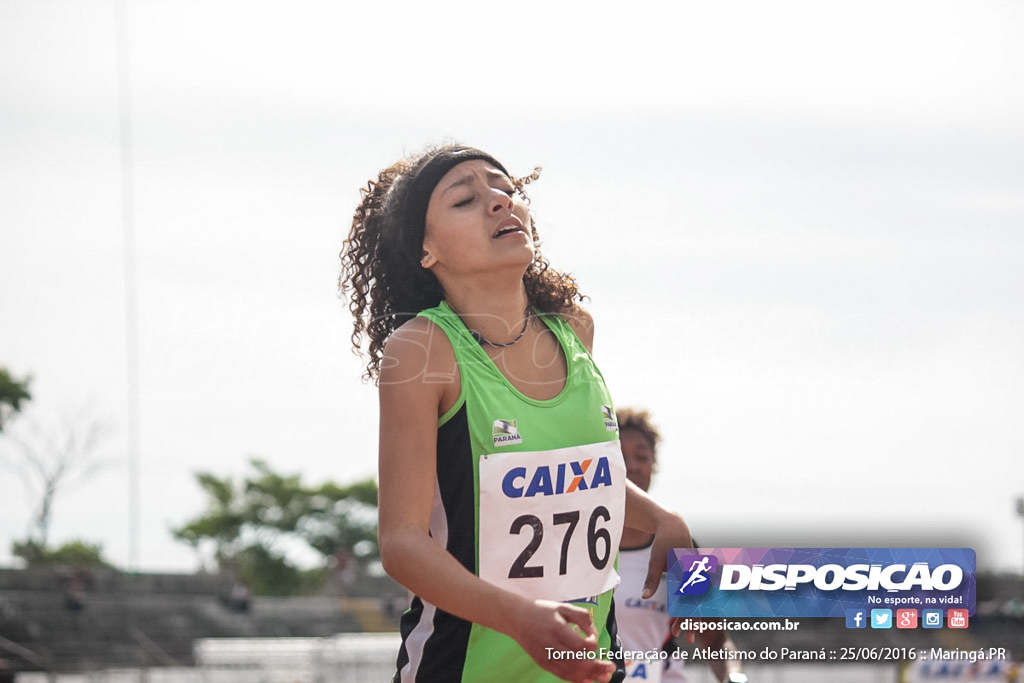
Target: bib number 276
[599,541]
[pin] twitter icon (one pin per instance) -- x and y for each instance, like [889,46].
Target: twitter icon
[881,618]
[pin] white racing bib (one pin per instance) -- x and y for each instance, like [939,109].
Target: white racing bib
[551,521]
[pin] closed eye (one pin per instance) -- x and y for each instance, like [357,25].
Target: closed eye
[464,202]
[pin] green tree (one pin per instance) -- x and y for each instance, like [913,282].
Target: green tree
[77,553]
[12,393]
[250,523]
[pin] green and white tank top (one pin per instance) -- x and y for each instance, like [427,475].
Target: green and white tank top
[529,495]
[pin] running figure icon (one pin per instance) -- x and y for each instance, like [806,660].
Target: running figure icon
[697,570]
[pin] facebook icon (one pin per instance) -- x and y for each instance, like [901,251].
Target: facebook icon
[856,618]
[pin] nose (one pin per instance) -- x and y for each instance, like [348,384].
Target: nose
[501,201]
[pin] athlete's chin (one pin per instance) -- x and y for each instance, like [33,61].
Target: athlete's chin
[519,258]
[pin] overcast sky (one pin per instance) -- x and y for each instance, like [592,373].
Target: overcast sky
[800,225]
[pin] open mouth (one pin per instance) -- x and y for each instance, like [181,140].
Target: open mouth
[508,228]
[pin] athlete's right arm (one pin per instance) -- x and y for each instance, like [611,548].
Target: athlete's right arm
[409,410]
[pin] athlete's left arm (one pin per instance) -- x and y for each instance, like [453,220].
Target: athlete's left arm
[669,529]
[642,511]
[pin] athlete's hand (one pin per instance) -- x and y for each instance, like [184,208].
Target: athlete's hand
[544,628]
[671,532]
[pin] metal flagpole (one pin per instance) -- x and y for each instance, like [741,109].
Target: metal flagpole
[130,282]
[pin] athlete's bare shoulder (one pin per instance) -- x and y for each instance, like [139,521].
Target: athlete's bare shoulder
[418,357]
[582,323]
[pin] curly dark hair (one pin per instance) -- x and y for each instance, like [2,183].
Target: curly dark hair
[380,263]
[640,420]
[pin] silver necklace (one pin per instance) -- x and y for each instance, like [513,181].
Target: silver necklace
[481,340]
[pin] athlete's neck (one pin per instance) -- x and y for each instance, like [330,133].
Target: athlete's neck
[495,314]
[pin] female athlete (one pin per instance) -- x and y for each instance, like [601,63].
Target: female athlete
[502,487]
